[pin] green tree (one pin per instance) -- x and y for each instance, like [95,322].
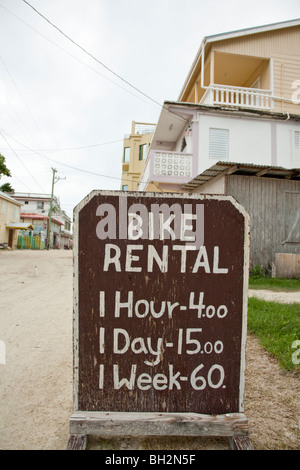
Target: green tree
[6,187]
[3,168]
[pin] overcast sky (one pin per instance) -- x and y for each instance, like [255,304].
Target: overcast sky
[60,108]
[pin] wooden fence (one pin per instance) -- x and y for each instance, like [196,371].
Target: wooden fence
[29,242]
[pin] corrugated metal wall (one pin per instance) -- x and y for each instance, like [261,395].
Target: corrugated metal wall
[274,209]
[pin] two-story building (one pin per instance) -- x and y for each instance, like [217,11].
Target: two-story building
[235,130]
[35,208]
[250,68]
[9,220]
[135,150]
[239,103]
[190,138]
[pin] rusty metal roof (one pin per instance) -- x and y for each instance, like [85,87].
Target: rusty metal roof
[231,168]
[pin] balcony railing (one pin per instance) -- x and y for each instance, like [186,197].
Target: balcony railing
[225,95]
[168,164]
[167,167]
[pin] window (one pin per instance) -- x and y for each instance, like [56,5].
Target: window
[143,152]
[219,143]
[25,202]
[126,155]
[294,148]
[40,205]
[125,187]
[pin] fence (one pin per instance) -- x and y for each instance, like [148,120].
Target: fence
[29,242]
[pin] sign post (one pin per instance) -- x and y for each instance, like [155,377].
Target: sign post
[160,312]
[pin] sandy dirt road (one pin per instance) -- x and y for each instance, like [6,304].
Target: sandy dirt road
[36,296]
[36,325]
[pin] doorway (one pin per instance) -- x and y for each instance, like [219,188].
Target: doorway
[10,238]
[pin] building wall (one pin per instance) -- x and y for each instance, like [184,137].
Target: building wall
[31,206]
[9,212]
[274,208]
[215,186]
[36,203]
[132,170]
[254,141]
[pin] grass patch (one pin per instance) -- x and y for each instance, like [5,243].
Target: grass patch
[277,327]
[274,283]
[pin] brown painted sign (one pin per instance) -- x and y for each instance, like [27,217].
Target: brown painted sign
[160,303]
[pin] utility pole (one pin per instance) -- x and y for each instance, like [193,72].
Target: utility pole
[54,180]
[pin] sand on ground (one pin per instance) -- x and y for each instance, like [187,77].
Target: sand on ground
[36,391]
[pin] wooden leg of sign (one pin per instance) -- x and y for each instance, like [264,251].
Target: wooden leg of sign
[84,423]
[157,424]
[240,443]
[77,442]
[234,426]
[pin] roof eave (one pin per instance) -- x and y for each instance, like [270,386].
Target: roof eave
[252,30]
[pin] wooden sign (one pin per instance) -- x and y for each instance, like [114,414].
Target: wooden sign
[160,304]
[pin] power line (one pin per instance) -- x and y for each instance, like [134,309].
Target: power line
[91,55]
[73,56]
[82,147]
[21,161]
[23,128]
[11,104]
[102,64]
[161,106]
[22,182]
[75,148]
[65,164]
[20,94]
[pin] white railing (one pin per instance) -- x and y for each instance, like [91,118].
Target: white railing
[225,95]
[141,128]
[166,167]
[172,164]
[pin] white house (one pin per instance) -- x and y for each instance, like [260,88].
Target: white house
[190,138]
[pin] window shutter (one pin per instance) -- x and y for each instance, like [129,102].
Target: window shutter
[297,139]
[219,144]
